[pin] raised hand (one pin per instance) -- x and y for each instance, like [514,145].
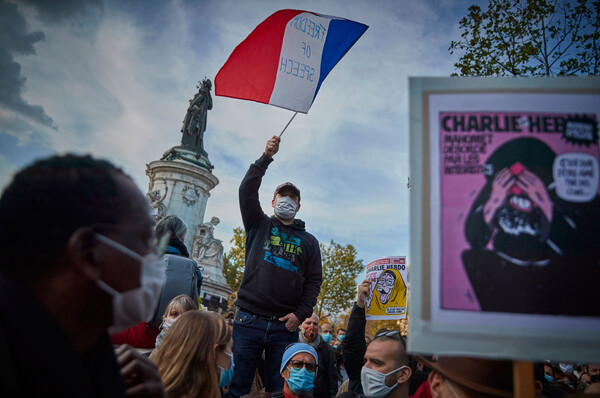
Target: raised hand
[272,146]
[363,292]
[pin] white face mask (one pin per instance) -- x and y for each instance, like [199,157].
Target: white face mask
[136,305]
[373,382]
[285,208]
[566,368]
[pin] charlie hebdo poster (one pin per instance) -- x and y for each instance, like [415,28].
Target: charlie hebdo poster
[387,286]
[511,198]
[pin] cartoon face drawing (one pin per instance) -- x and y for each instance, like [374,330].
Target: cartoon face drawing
[515,208]
[388,294]
[385,286]
[526,242]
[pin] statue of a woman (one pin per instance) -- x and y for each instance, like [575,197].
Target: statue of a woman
[194,123]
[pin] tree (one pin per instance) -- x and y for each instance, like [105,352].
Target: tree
[340,270]
[530,38]
[233,262]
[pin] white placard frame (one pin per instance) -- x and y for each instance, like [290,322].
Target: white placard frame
[472,333]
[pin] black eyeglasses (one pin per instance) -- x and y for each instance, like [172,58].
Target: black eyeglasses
[310,366]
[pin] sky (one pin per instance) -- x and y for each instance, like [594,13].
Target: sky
[113,79]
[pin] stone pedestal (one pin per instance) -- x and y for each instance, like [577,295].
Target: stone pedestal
[180,184]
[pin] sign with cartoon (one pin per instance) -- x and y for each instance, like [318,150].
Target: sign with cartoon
[506,214]
[520,211]
[387,298]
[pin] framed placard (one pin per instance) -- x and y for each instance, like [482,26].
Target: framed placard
[505,217]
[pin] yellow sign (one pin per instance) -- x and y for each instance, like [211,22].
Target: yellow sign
[387,298]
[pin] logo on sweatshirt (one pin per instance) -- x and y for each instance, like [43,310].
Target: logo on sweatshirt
[281,249]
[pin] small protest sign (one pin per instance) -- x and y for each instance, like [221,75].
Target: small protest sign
[387,289]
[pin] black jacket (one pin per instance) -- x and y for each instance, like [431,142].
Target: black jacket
[283,262]
[326,381]
[354,348]
[38,359]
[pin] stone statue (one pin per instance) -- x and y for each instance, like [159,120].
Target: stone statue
[194,123]
[206,249]
[156,202]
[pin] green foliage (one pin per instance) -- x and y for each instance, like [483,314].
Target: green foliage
[340,270]
[233,262]
[530,38]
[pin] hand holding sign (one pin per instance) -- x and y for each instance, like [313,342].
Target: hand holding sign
[363,293]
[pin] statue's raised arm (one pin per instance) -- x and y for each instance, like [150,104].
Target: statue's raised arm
[194,123]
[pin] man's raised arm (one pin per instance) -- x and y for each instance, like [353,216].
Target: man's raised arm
[353,345]
[248,192]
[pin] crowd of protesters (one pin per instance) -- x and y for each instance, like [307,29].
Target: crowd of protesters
[98,270]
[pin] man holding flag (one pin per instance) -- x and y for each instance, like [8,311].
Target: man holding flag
[283,62]
[282,279]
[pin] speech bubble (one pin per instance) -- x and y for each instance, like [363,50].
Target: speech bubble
[575,177]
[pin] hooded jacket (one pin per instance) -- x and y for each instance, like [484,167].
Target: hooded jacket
[283,271]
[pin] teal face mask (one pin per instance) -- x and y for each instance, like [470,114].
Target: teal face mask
[326,337]
[226,375]
[301,380]
[341,337]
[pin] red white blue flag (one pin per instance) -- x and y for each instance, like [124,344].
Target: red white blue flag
[284,61]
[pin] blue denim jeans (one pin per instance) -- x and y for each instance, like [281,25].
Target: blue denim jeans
[252,335]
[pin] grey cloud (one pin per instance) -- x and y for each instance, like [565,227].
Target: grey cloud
[16,39]
[13,31]
[11,87]
[58,10]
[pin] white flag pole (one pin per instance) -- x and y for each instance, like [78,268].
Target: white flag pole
[286,126]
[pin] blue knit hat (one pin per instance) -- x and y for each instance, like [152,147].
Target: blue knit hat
[294,349]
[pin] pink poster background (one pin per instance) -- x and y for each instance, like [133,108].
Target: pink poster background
[458,191]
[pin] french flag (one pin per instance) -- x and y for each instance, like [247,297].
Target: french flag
[285,59]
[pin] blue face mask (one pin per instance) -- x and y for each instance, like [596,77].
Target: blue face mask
[226,375]
[549,378]
[326,337]
[341,337]
[301,380]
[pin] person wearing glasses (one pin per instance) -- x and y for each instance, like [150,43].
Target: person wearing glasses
[384,368]
[281,282]
[299,367]
[96,266]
